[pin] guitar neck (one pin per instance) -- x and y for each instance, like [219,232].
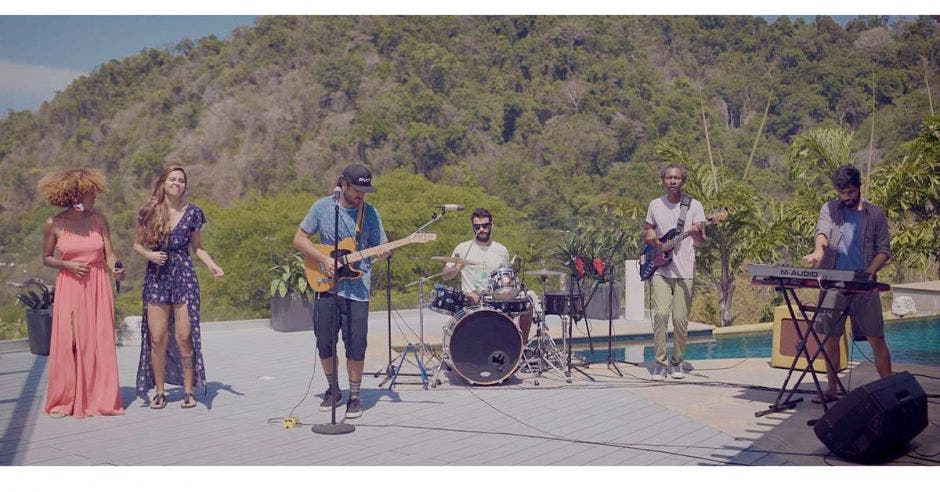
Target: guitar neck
[366,253]
[674,241]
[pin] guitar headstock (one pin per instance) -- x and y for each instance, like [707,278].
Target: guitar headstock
[422,237]
[718,215]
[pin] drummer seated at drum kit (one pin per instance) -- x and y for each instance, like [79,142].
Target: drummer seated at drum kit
[486,274]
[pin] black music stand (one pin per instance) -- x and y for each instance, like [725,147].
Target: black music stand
[575,312]
[611,362]
[803,350]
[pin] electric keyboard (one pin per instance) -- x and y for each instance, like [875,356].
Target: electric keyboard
[818,278]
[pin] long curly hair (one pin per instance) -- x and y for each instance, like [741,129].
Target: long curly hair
[153,219]
[66,187]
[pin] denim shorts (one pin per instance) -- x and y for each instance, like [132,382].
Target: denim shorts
[353,322]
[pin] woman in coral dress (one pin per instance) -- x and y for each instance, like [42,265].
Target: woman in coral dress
[83,371]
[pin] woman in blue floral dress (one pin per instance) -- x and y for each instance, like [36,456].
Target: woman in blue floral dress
[171,345]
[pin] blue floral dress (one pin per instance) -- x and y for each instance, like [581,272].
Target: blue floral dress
[173,283]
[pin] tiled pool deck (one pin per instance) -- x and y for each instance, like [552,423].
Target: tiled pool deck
[256,376]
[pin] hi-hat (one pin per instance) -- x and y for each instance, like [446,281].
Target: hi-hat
[455,260]
[543,272]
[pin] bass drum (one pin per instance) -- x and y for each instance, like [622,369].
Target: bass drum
[483,345]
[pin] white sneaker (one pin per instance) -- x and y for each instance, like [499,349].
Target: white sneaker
[659,373]
[678,372]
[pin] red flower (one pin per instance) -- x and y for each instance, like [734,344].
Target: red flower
[579,266]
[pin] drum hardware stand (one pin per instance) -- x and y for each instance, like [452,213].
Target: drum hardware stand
[803,350]
[544,352]
[334,427]
[545,349]
[570,320]
[421,349]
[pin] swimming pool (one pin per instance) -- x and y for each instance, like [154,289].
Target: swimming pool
[911,341]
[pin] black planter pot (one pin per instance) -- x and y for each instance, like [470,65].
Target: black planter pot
[292,313]
[39,325]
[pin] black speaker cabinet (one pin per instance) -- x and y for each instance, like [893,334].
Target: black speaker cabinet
[876,420]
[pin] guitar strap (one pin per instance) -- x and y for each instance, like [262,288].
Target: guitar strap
[359,218]
[683,209]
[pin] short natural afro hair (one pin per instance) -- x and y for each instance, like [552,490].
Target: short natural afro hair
[66,187]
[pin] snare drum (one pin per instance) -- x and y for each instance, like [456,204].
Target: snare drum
[510,307]
[482,345]
[503,284]
[446,300]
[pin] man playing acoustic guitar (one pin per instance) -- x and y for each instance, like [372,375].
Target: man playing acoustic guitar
[671,283]
[361,221]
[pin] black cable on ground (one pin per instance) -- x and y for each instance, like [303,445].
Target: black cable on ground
[290,413]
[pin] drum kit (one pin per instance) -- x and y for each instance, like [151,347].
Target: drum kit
[481,343]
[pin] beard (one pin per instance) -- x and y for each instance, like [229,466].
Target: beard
[483,236]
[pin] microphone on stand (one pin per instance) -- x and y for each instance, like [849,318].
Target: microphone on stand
[450,207]
[336,192]
[117,283]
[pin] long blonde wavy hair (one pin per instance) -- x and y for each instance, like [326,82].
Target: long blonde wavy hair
[153,223]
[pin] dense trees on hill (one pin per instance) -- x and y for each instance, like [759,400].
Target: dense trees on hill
[560,118]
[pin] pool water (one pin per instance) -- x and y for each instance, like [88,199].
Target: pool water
[911,341]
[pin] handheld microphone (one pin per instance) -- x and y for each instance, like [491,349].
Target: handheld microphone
[117,283]
[449,207]
[336,192]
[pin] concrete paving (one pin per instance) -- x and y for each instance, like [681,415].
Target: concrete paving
[258,376]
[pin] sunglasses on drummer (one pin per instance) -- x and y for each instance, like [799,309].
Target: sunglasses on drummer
[477,227]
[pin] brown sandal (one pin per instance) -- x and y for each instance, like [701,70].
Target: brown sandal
[158,402]
[189,401]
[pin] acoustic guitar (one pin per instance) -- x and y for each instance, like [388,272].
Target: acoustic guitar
[348,256]
[654,258]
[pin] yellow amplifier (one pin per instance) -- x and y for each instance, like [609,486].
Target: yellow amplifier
[785,339]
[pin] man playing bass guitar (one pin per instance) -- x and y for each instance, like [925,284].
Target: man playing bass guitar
[671,283]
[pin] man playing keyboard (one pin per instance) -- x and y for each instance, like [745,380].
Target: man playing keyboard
[851,234]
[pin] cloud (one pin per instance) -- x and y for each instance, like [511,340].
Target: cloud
[35,81]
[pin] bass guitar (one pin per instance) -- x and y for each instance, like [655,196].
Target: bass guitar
[654,257]
[348,256]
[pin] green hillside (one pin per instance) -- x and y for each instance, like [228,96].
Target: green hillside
[552,121]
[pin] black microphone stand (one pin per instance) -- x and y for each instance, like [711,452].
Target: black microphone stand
[334,428]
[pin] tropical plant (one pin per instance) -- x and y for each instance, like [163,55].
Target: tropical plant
[288,278]
[35,294]
[909,191]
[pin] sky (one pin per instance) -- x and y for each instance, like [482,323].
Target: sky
[40,55]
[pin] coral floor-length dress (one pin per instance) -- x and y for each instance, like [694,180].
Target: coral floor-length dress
[83,371]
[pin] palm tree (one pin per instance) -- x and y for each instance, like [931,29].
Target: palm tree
[814,155]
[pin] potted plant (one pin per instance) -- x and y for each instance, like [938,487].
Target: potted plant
[291,296]
[38,298]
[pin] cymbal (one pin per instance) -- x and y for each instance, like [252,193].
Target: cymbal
[454,259]
[543,272]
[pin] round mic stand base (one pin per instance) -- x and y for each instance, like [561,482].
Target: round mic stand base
[333,429]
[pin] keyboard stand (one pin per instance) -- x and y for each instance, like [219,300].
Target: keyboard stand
[789,294]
